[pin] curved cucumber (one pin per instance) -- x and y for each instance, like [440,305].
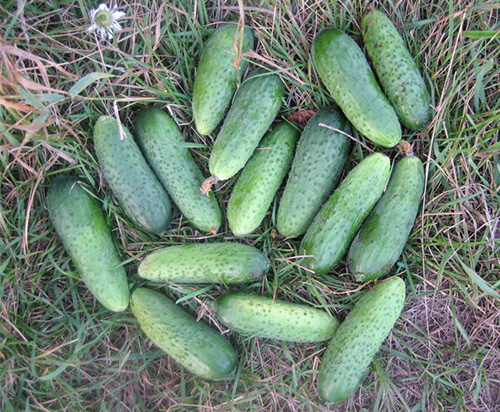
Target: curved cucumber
[397,71]
[269,318]
[217,76]
[80,224]
[383,236]
[193,344]
[336,224]
[318,163]
[132,181]
[358,339]
[261,179]
[164,147]
[346,74]
[205,263]
[254,108]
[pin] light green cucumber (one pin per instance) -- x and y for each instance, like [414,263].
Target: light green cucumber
[261,179]
[318,163]
[218,75]
[80,223]
[336,224]
[358,339]
[193,344]
[265,317]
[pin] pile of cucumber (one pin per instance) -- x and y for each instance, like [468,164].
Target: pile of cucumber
[368,215]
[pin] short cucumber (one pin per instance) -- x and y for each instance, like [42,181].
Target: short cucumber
[80,223]
[129,176]
[261,179]
[265,317]
[346,74]
[358,339]
[383,236]
[396,70]
[319,160]
[217,75]
[227,262]
[193,344]
[336,224]
[168,155]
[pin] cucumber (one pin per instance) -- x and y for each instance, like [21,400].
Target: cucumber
[336,224]
[383,236]
[358,339]
[80,223]
[217,75]
[130,178]
[194,345]
[346,74]
[261,179]
[254,108]
[205,263]
[396,70]
[270,318]
[318,163]
[168,155]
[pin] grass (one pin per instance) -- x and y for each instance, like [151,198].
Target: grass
[62,351]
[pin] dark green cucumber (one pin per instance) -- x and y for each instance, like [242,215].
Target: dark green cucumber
[218,75]
[261,179]
[346,74]
[193,344]
[205,263]
[254,108]
[168,155]
[319,160]
[383,236]
[270,318]
[396,70]
[358,339]
[336,224]
[80,223]
[129,176]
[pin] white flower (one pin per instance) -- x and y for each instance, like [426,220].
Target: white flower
[104,21]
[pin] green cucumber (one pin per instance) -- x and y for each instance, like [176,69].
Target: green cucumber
[318,163]
[396,70]
[358,339]
[254,108]
[80,223]
[129,176]
[217,76]
[346,74]
[336,224]
[193,344]
[261,179]
[205,263]
[271,318]
[168,155]
[383,236]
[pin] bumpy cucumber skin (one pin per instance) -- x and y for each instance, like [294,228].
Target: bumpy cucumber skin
[346,74]
[336,224]
[261,179]
[358,339]
[270,318]
[397,71]
[205,263]
[383,236]
[79,222]
[193,344]
[217,77]
[165,150]
[254,108]
[318,163]
[130,178]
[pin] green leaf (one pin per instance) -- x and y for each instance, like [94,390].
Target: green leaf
[479,281]
[86,81]
[480,34]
